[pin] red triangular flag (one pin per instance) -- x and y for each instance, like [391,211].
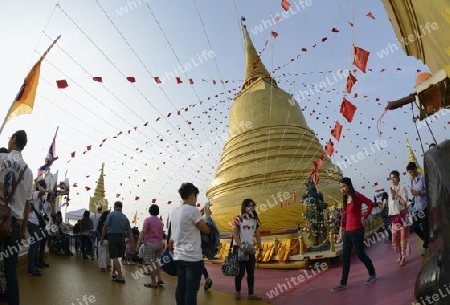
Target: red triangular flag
[314,177]
[153,200]
[157,80]
[334,30]
[347,110]
[169,202]
[131,79]
[117,195]
[360,59]
[369,14]
[318,163]
[285,4]
[87,188]
[351,80]
[72,154]
[89,147]
[136,198]
[179,81]
[336,131]
[329,148]
[274,34]
[61,84]
[191,81]
[97,79]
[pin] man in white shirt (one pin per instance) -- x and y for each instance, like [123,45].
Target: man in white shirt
[12,165]
[94,234]
[35,216]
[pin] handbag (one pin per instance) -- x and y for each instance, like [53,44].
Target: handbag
[5,210]
[230,266]
[167,262]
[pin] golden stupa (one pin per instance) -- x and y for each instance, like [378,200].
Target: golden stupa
[99,194]
[268,155]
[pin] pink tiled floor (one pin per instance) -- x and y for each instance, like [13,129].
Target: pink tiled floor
[394,285]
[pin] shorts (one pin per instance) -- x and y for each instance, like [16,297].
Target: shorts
[115,243]
[152,253]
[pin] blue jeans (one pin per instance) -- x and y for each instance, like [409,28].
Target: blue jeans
[189,275]
[250,267]
[10,245]
[205,273]
[94,237]
[34,232]
[354,239]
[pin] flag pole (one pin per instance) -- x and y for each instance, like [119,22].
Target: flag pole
[25,83]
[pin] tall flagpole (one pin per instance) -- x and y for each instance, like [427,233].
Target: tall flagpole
[24,84]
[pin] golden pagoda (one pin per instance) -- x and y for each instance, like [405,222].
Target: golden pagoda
[99,194]
[268,155]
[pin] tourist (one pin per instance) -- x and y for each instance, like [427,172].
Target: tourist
[116,226]
[104,261]
[152,238]
[398,198]
[418,191]
[35,219]
[354,231]
[19,208]
[95,236]
[186,224]
[245,229]
[387,219]
[86,226]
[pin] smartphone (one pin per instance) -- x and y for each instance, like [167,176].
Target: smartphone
[207,205]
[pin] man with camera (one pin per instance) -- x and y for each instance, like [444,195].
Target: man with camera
[36,226]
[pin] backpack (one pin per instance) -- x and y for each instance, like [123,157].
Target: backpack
[211,241]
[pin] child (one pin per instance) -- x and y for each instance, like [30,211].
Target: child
[128,253]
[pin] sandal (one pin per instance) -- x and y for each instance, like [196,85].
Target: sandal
[150,285]
[402,262]
[35,273]
[147,273]
[237,295]
[161,283]
[118,280]
[208,284]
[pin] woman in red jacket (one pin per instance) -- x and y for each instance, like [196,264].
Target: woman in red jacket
[351,221]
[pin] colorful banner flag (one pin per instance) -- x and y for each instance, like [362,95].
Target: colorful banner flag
[24,101]
[50,156]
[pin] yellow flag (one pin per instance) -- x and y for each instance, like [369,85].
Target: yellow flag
[134,218]
[24,101]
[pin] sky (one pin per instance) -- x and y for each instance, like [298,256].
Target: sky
[154,137]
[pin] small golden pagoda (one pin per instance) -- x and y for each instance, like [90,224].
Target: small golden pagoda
[99,194]
[268,155]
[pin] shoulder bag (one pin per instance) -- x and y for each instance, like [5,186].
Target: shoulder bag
[230,266]
[167,262]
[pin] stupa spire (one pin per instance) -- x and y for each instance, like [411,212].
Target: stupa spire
[99,194]
[254,68]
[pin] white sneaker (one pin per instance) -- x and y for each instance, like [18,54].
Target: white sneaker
[424,252]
